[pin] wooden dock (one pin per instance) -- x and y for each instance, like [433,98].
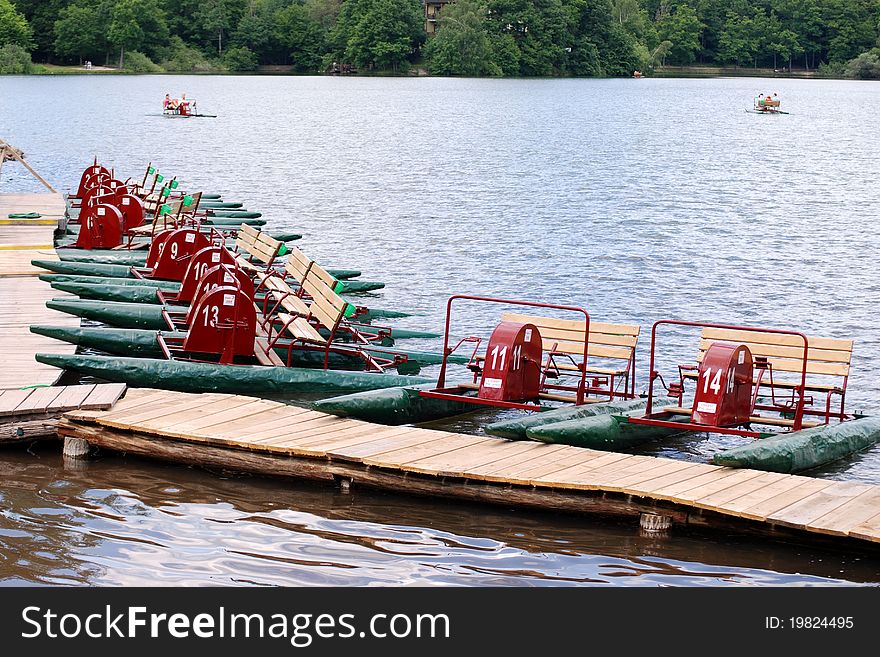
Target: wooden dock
[23,295]
[34,412]
[259,436]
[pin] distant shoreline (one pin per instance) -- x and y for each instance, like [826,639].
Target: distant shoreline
[661,72]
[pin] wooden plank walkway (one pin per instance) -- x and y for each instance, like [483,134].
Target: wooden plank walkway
[34,412]
[190,428]
[23,295]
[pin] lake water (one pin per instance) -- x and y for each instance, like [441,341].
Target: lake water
[637,199]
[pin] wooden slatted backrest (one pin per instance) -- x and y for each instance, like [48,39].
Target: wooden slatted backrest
[298,265]
[319,273]
[567,336]
[246,237]
[327,307]
[257,244]
[825,356]
[193,207]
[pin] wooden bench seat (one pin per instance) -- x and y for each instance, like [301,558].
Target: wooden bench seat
[827,365]
[613,345]
[301,329]
[257,250]
[826,357]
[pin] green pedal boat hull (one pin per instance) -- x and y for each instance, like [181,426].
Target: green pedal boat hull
[516,428]
[138,258]
[189,376]
[106,270]
[604,432]
[144,343]
[393,406]
[801,450]
[135,290]
[149,316]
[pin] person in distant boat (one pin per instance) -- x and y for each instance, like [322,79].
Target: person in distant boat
[167,103]
[183,101]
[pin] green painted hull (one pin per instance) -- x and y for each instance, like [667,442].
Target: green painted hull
[604,432]
[224,222]
[116,293]
[129,258]
[107,270]
[121,315]
[135,290]
[234,214]
[401,405]
[142,343]
[101,281]
[225,205]
[802,450]
[516,428]
[138,258]
[84,268]
[187,376]
[149,316]
[73,229]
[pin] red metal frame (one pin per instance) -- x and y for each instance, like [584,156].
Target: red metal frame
[456,393]
[655,419]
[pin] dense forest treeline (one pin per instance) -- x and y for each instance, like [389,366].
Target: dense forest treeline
[474,37]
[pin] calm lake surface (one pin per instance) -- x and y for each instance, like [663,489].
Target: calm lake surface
[637,199]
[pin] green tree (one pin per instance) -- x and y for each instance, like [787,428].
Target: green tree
[786,45]
[14,28]
[864,67]
[14,60]
[219,17]
[79,32]
[462,45]
[379,34]
[303,38]
[41,16]
[739,40]
[682,28]
[239,59]
[137,25]
[256,30]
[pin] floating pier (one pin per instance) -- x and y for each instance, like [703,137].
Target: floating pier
[265,437]
[24,296]
[33,413]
